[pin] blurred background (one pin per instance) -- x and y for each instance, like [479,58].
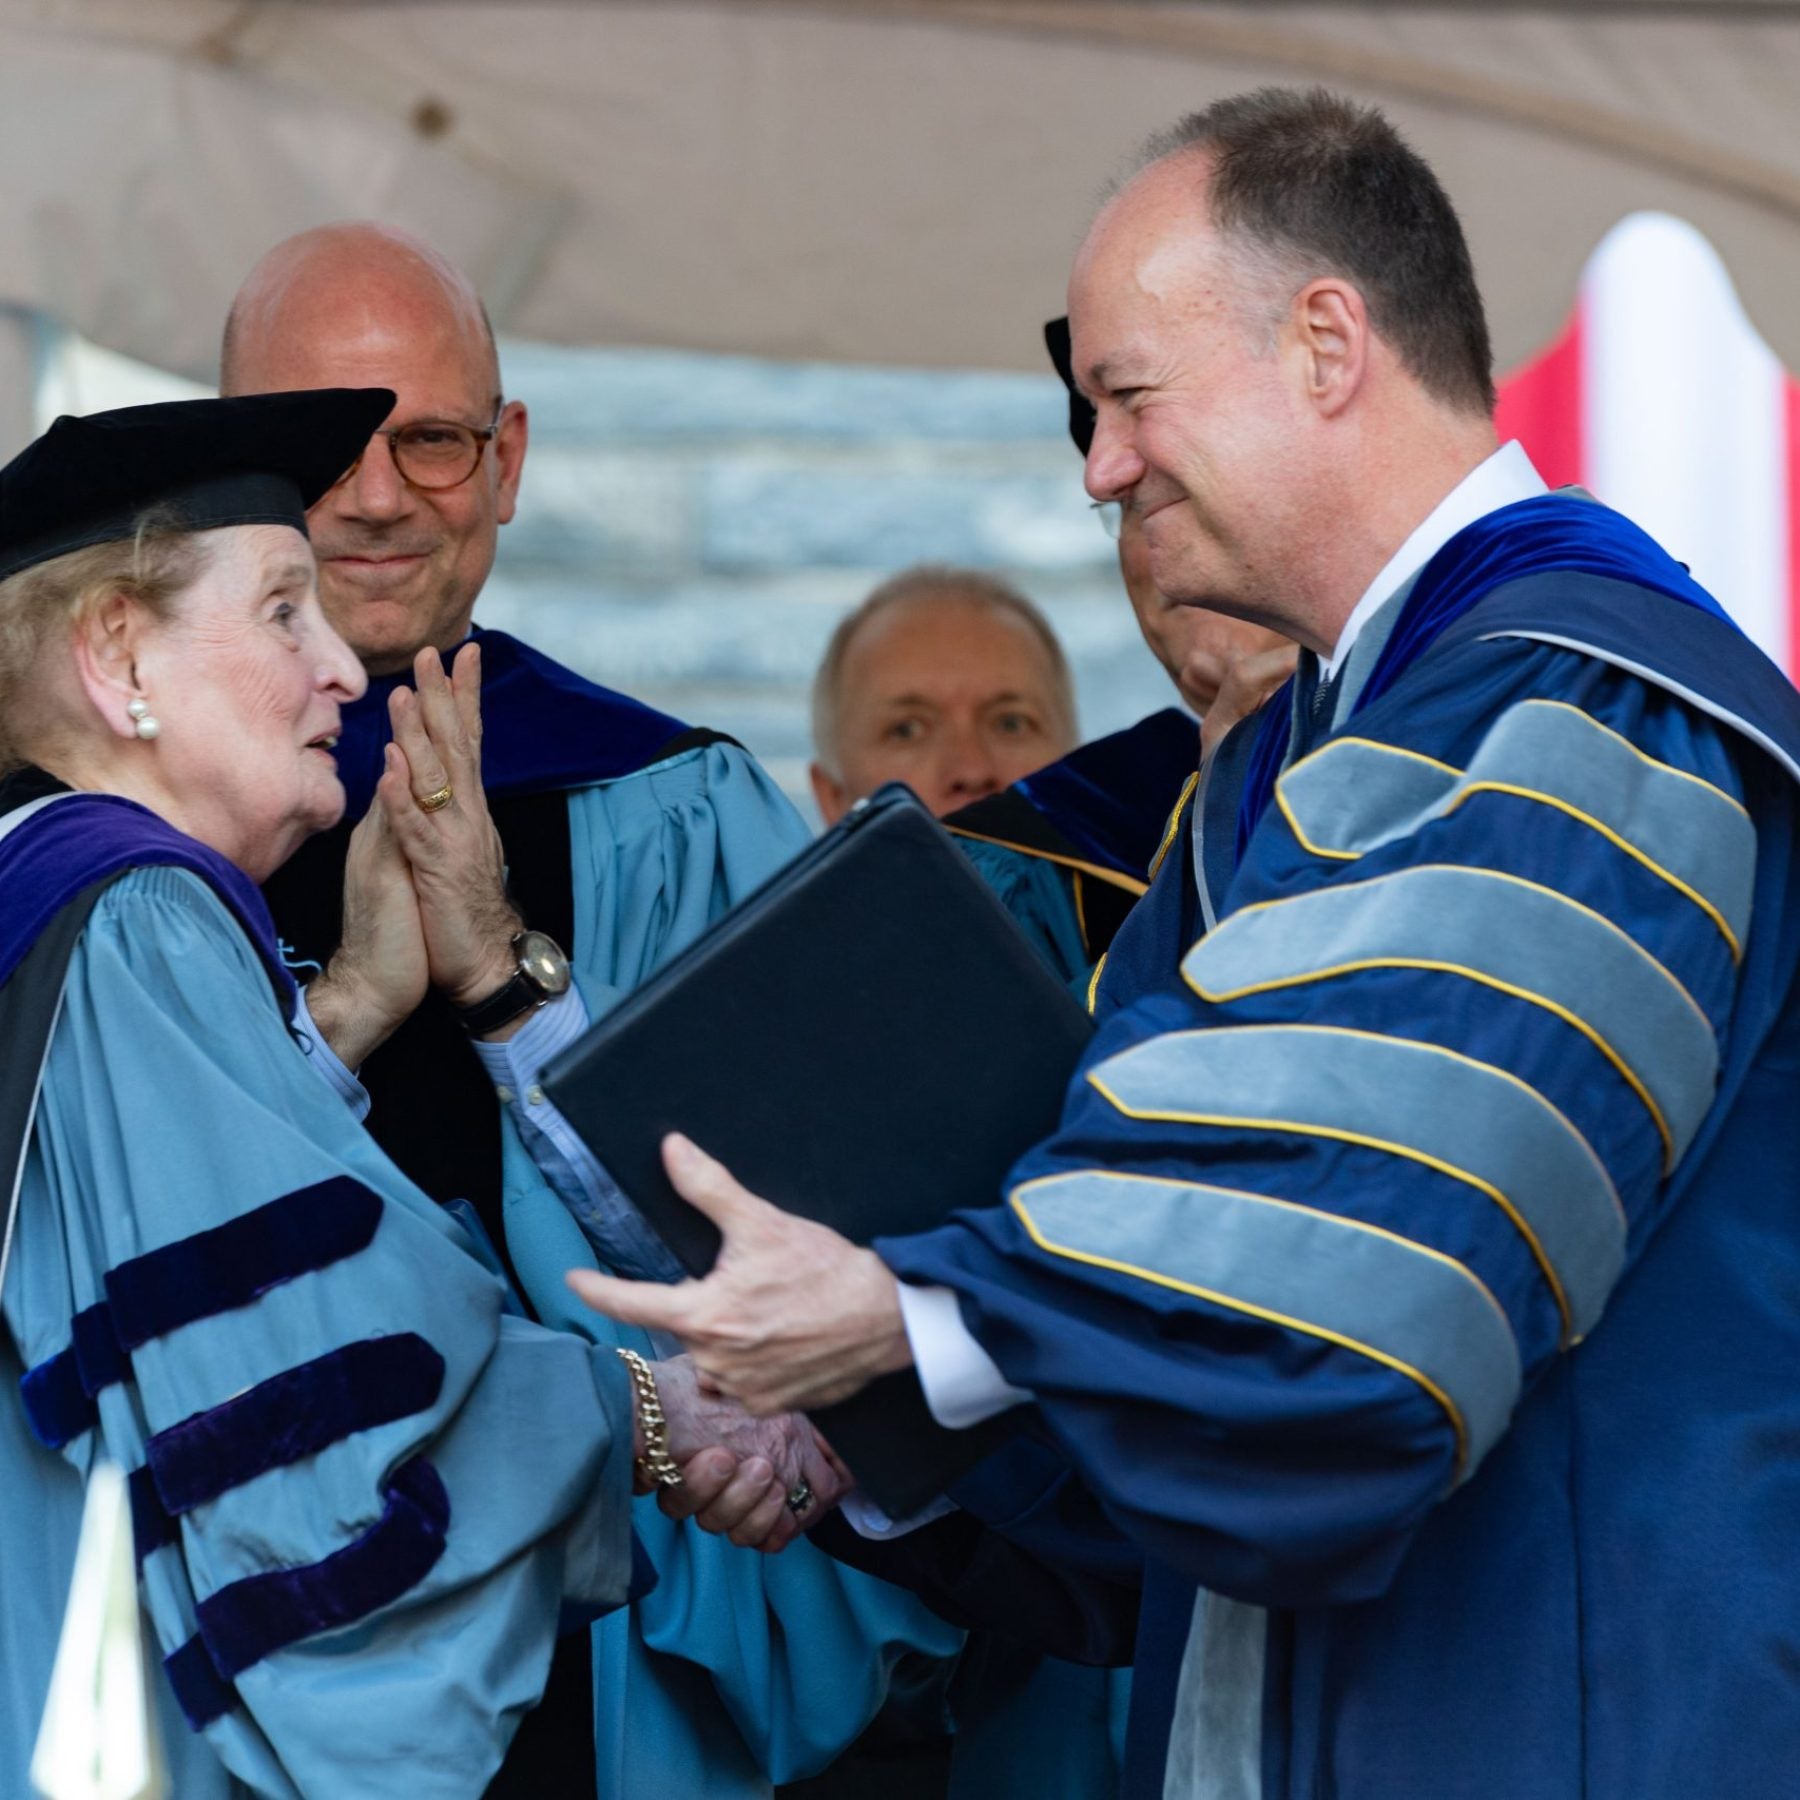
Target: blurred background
[770,277]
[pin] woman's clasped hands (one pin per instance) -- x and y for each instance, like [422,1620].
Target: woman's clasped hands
[425,900]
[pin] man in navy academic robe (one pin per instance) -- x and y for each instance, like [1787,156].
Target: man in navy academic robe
[1413,1276]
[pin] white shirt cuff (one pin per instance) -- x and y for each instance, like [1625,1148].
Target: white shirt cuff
[513,1066]
[327,1062]
[867,1519]
[963,1384]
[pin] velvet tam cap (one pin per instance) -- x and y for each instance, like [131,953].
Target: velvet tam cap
[254,459]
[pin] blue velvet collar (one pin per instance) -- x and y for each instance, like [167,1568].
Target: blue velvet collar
[1111,799]
[1104,805]
[1551,533]
[544,728]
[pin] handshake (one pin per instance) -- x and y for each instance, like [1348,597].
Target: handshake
[759,1482]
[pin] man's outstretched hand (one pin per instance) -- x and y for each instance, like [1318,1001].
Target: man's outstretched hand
[791,1316]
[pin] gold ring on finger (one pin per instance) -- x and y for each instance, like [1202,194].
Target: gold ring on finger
[435,802]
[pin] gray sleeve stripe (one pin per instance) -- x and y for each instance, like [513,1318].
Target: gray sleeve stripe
[1354,795]
[1499,930]
[1464,1118]
[1401,1304]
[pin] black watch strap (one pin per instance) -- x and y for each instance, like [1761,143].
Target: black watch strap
[520,995]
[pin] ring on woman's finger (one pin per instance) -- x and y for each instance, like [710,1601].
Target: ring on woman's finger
[435,802]
[799,1497]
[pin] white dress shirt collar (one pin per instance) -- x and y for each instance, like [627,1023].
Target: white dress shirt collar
[1505,477]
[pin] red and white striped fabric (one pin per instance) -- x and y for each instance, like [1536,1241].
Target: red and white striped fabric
[1662,400]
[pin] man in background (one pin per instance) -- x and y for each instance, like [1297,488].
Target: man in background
[947,679]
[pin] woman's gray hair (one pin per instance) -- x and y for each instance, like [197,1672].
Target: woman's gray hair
[153,566]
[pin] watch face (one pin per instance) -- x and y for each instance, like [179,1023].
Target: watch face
[542,962]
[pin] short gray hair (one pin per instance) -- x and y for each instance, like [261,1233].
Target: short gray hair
[1309,183]
[926,581]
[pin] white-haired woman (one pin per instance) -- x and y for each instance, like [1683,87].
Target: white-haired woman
[363,1493]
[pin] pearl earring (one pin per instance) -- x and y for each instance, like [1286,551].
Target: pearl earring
[147,724]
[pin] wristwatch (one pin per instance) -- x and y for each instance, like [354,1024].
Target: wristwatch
[542,974]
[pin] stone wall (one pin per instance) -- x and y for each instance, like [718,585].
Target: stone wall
[692,527]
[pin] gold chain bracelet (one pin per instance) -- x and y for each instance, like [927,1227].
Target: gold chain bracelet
[656,1461]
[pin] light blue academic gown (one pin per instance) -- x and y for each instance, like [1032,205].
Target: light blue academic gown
[739,1671]
[1040,896]
[386,1490]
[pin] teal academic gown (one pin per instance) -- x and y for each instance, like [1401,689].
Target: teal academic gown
[382,1490]
[739,1671]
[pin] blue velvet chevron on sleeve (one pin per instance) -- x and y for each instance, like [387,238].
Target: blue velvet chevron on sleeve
[1323,1207]
[363,1494]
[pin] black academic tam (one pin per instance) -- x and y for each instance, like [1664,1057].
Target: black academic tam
[255,459]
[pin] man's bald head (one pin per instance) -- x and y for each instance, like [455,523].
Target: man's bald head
[369,305]
[389,274]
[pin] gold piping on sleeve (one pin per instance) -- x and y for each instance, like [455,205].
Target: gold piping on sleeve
[1324,750]
[1554,801]
[1581,713]
[1655,762]
[1340,743]
[1456,1056]
[1093,993]
[1612,837]
[1565,1335]
[1174,824]
[1300,837]
[1490,981]
[1324,1332]
[1080,911]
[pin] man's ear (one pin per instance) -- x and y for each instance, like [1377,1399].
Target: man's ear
[1330,327]
[106,649]
[509,458]
[831,795]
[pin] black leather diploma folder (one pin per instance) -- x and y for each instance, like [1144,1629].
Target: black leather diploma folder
[868,1041]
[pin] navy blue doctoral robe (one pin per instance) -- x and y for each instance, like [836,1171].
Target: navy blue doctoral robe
[1413,1274]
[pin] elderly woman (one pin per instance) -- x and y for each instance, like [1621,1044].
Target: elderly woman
[363,1493]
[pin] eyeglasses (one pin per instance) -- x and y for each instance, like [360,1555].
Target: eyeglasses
[434,454]
[1111,515]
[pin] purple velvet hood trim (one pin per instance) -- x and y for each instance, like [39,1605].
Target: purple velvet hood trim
[80,839]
